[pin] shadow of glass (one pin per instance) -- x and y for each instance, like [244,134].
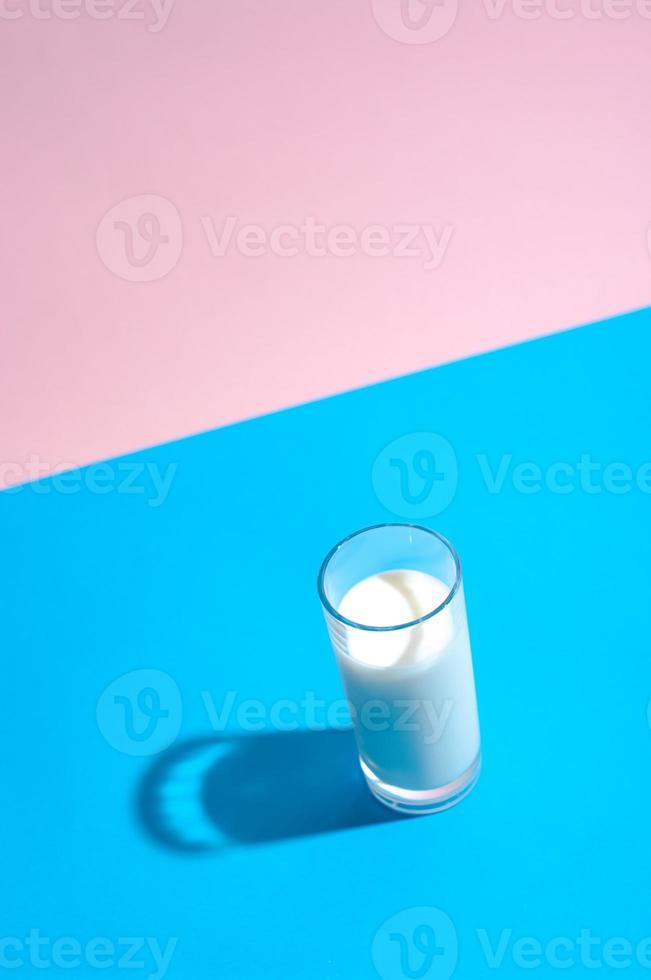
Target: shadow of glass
[211,793]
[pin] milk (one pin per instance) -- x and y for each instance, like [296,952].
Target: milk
[411,690]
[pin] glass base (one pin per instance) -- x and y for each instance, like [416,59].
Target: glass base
[423,801]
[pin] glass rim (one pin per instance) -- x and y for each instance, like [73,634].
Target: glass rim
[327,605]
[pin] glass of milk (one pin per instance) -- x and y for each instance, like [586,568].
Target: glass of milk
[393,601]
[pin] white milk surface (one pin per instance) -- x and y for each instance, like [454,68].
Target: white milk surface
[412,689]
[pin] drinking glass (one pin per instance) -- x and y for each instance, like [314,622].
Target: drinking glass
[409,684]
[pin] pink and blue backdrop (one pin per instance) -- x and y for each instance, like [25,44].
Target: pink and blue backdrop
[132,614]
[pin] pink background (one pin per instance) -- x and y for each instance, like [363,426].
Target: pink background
[531,138]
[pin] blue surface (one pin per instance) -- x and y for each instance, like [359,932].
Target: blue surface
[261,851]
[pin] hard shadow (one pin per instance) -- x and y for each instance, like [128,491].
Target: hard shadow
[211,793]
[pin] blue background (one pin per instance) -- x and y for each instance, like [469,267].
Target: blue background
[262,852]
